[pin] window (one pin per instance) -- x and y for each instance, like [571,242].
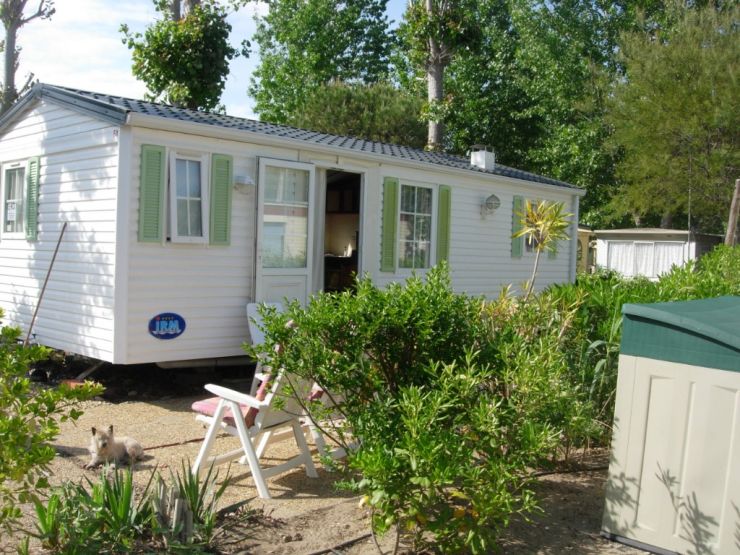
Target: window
[188,199]
[285,218]
[14,204]
[415,227]
[644,258]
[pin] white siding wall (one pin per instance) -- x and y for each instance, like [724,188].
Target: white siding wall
[480,247]
[209,286]
[77,184]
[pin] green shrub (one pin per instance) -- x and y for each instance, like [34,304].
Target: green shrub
[445,440]
[29,422]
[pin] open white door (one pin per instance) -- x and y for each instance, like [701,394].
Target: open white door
[285,226]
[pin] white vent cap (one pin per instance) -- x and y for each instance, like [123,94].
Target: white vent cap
[482,158]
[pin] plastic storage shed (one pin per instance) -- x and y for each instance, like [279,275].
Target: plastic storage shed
[674,473]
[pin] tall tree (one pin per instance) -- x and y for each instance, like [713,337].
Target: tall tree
[433,31]
[13,18]
[677,118]
[184,57]
[378,112]
[305,44]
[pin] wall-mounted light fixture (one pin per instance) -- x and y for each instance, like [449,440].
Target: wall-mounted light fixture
[242,183]
[489,205]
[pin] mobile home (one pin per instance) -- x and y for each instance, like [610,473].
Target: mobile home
[649,252]
[178,218]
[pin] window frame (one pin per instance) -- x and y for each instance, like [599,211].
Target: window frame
[432,231]
[205,189]
[14,166]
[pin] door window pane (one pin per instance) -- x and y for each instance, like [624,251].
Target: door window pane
[285,218]
[14,205]
[415,227]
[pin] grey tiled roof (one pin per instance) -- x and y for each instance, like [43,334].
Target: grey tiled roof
[116,107]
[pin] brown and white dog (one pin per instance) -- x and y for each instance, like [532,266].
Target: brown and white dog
[106,448]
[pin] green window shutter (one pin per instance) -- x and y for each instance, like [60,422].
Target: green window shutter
[222,179]
[32,198]
[443,222]
[517,243]
[390,221]
[152,193]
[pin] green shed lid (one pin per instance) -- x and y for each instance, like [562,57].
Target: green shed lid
[704,332]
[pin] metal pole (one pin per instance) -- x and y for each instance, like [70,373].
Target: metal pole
[46,280]
[732,222]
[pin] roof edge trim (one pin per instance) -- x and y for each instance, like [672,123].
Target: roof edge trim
[79,103]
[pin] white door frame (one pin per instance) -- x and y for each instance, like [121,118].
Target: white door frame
[262,274]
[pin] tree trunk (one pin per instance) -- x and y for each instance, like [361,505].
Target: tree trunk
[175,10]
[731,236]
[666,220]
[11,60]
[435,74]
[530,286]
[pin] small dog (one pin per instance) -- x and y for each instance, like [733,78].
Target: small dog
[106,448]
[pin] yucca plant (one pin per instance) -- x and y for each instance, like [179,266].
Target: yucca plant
[120,515]
[201,495]
[542,224]
[48,522]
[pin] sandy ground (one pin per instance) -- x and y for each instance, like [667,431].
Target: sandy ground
[309,515]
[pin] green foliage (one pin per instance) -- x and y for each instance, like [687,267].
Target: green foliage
[452,400]
[184,62]
[110,516]
[445,437]
[29,423]
[595,333]
[676,115]
[306,44]
[378,112]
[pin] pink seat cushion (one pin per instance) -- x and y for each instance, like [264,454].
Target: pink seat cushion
[209,406]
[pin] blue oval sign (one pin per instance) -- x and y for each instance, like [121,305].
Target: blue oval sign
[167,325]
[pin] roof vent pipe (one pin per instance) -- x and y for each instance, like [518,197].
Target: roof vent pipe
[482,158]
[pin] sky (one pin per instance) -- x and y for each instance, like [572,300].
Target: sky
[80,46]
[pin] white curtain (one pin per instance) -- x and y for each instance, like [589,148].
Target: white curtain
[666,255]
[644,259]
[621,257]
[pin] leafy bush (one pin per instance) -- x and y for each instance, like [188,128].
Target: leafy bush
[445,440]
[29,422]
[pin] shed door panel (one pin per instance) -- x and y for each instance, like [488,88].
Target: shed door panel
[674,481]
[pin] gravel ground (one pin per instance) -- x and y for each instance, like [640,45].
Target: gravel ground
[308,515]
